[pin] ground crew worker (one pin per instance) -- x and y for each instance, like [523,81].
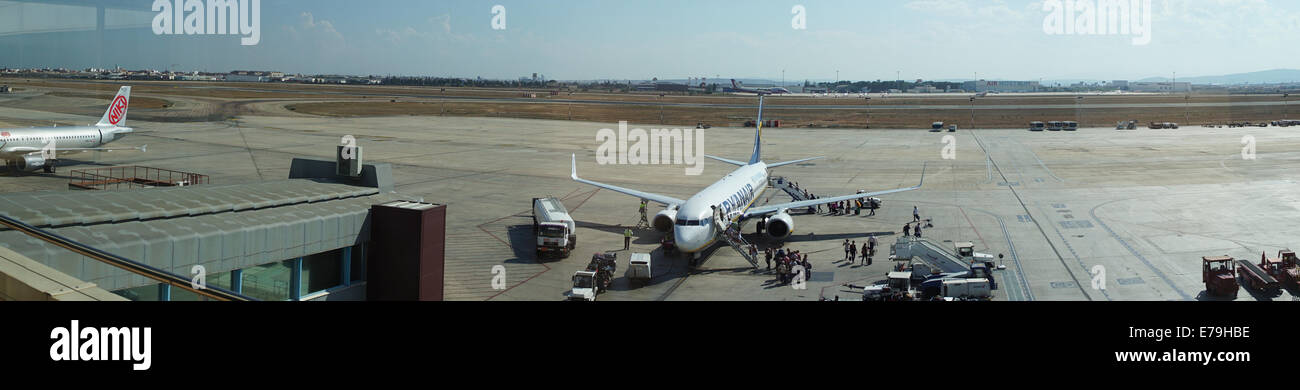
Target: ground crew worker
[627,239]
[644,221]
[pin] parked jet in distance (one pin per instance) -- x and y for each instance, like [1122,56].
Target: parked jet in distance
[697,222]
[27,149]
[763,91]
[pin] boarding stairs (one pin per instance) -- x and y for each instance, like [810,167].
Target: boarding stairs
[795,194]
[730,233]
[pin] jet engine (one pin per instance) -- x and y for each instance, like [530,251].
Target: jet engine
[780,225]
[30,162]
[664,220]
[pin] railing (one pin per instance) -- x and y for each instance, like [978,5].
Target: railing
[132,176]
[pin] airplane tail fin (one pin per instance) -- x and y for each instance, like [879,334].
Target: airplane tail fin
[734,85]
[758,134]
[116,113]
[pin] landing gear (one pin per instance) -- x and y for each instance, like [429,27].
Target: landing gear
[692,257]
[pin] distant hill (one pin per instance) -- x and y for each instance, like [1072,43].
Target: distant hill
[1275,76]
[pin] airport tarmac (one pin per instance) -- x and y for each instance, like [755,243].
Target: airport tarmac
[1144,205]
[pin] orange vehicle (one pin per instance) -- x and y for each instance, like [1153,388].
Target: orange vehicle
[1290,265]
[1258,276]
[1218,273]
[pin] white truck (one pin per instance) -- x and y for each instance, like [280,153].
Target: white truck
[638,268]
[555,230]
[976,288]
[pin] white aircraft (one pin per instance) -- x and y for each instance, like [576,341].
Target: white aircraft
[38,147]
[764,91]
[694,221]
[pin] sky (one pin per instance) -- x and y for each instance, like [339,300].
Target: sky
[670,39]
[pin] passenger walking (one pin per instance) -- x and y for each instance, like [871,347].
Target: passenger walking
[865,257]
[846,247]
[767,254]
[916,214]
[807,267]
[853,251]
[907,229]
[871,245]
[918,230]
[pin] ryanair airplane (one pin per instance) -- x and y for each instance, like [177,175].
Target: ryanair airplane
[692,221]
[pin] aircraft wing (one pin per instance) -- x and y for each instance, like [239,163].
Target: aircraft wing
[662,199]
[770,209]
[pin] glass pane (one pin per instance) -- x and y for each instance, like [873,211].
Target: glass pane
[268,282]
[220,279]
[358,263]
[142,293]
[321,271]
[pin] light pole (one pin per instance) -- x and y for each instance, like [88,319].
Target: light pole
[1187,116]
[972,112]
[661,108]
[1078,116]
[1286,108]
[868,98]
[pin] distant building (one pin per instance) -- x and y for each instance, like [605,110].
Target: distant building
[1161,87]
[923,89]
[252,76]
[662,86]
[1000,86]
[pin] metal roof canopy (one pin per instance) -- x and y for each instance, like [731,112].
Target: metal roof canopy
[58,209]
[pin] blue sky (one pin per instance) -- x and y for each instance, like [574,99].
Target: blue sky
[580,39]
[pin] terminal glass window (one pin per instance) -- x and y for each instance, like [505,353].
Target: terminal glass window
[321,271]
[218,279]
[142,293]
[359,261]
[269,282]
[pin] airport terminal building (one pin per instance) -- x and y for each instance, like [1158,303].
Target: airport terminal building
[1000,86]
[307,237]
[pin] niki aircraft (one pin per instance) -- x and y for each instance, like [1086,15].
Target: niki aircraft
[694,221]
[29,149]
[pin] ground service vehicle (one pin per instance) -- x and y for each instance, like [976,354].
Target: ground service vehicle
[555,230]
[1219,276]
[638,268]
[595,279]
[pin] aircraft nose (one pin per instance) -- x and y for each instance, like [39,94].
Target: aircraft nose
[691,239]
